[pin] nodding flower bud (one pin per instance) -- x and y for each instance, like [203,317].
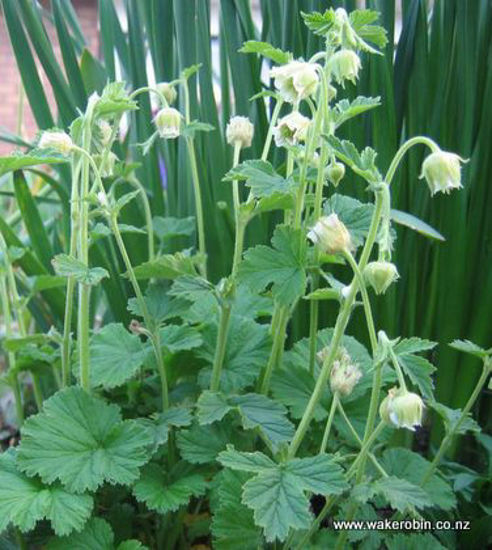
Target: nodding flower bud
[380,275]
[103,199]
[168,123]
[442,171]
[331,235]
[335,172]
[240,131]
[402,409]
[296,80]
[345,65]
[344,374]
[58,141]
[105,131]
[291,129]
[168,91]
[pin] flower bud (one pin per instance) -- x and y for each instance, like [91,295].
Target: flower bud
[331,235]
[168,91]
[380,275]
[58,141]
[296,80]
[344,374]
[168,123]
[402,409]
[106,164]
[239,130]
[345,65]
[335,172]
[103,199]
[291,129]
[105,131]
[442,171]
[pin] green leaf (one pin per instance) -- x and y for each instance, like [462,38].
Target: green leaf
[413,345]
[319,23]
[97,535]
[131,544]
[414,541]
[189,130]
[417,368]
[411,221]
[24,501]
[245,462]
[261,178]
[168,266]
[176,338]
[355,215]
[114,100]
[35,157]
[469,347]
[361,23]
[68,266]
[282,265]
[266,50]
[244,357]
[362,164]
[211,407]
[405,464]
[164,494]
[160,424]
[345,109]
[451,419]
[160,305]
[323,294]
[116,356]
[191,288]
[202,444]
[170,228]
[83,442]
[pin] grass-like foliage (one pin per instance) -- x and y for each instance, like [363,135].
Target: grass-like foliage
[171,410]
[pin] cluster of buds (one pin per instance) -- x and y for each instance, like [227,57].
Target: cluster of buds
[345,65]
[402,409]
[296,80]
[331,235]
[168,91]
[344,374]
[442,171]
[239,131]
[380,275]
[291,129]
[57,140]
[335,172]
[168,123]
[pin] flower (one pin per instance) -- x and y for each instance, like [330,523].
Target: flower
[56,140]
[331,235]
[380,275]
[168,122]
[344,374]
[296,80]
[345,65]
[291,129]
[168,91]
[402,409]
[335,172]
[442,171]
[240,130]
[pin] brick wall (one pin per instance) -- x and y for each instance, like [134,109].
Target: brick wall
[10,82]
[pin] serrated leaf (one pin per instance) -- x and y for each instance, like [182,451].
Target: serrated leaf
[24,501]
[451,419]
[68,266]
[355,215]
[345,109]
[362,164]
[319,23]
[399,493]
[244,357]
[261,178]
[413,345]
[202,444]
[170,228]
[116,356]
[408,465]
[176,338]
[417,368]
[35,157]
[96,535]
[191,288]
[361,23]
[162,494]
[418,225]
[168,266]
[114,100]
[188,72]
[160,305]
[160,424]
[245,462]
[189,130]
[469,347]
[83,442]
[266,50]
[211,407]
[282,266]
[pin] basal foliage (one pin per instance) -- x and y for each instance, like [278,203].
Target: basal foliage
[194,421]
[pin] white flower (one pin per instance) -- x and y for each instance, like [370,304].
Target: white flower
[331,235]
[240,130]
[291,129]
[344,374]
[402,409]
[345,65]
[168,123]
[296,80]
[102,198]
[442,171]
[168,91]
[380,275]
[58,141]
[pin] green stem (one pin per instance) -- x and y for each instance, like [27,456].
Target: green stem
[329,422]
[403,149]
[144,89]
[399,372]
[220,349]
[338,332]
[313,325]
[278,333]
[38,394]
[273,121]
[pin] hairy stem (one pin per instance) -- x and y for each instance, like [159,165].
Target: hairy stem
[329,422]
[403,149]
